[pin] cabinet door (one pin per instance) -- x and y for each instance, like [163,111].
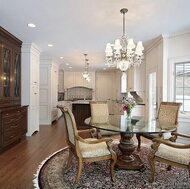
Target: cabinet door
[6,72]
[105,88]
[34,125]
[35,70]
[17,77]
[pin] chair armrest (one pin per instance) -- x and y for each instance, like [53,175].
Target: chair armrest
[179,134]
[168,143]
[94,141]
[86,130]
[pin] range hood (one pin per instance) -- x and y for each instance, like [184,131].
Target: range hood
[137,98]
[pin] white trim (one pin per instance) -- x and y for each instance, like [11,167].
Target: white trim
[171,62]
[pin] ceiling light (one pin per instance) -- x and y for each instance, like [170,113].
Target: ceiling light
[61,57]
[123,54]
[50,45]
[85,74]
[31,25]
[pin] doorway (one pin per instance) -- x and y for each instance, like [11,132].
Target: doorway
[152,91]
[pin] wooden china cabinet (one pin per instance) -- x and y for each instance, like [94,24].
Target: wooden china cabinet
[13,116]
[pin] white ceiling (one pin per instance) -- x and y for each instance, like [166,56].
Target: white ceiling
[75,27]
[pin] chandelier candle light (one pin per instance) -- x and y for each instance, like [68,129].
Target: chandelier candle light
[123,54]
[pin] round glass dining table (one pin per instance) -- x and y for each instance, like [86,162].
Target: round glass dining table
[127,128]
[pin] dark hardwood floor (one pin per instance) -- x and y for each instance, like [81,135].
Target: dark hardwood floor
[19,164]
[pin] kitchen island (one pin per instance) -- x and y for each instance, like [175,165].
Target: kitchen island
[81,111]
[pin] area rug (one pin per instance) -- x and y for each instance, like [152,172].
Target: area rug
[51,174]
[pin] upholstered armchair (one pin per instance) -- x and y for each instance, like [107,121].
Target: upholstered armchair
[174,154]
[168,111]
[86,150]
[99,110]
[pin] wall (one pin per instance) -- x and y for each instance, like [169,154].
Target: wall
[161,56]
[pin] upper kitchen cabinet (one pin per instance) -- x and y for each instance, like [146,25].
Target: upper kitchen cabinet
[10,69]
[49,71]
[73,79]
[136,78]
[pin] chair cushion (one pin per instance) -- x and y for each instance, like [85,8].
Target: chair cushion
[164,136]
[177,155]
[93,150]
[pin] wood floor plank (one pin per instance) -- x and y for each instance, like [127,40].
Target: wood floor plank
[18,164]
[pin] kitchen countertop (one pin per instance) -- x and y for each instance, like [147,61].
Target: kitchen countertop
[81,102]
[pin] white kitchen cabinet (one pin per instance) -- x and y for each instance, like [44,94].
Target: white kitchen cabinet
[49,70]
[136,78]
[61,81]
[30,84]
[73,79]
[106,88]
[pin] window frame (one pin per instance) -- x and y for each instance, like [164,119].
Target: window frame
[183,87]
[171,81]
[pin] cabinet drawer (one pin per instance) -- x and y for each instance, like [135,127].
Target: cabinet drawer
[11,136]
[11,113]
[5,104]
[10,126]
[10,120]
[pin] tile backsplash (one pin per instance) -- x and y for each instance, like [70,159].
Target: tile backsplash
[79,93]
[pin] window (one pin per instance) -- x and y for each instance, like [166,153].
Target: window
[182,85]
[124,82]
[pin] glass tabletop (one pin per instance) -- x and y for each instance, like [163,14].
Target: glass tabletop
[119,123]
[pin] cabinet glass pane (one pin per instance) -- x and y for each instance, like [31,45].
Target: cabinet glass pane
[6,72]
[16,75]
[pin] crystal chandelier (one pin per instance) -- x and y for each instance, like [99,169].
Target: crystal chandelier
[123,53]
[85,74]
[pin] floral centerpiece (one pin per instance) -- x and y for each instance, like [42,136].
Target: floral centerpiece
[128,105]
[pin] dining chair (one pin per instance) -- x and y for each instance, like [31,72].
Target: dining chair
[168,111]
[99,109]
[171,153]
[86,150]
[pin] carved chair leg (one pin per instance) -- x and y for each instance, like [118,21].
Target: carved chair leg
[69,158]
[138,136]
[79,170]
[152,167]
[112,164]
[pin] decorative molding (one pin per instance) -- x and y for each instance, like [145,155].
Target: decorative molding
[156,42]
[179,35]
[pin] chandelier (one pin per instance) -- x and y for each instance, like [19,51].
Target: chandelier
[123,53]
[86,74]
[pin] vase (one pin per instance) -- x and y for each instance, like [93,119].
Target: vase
[128,115]
[128,120]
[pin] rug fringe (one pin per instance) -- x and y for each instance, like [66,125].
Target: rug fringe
[35,176]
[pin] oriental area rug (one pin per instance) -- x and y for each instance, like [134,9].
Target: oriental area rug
[51,174]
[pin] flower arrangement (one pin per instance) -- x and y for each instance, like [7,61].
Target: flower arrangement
[129,104]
